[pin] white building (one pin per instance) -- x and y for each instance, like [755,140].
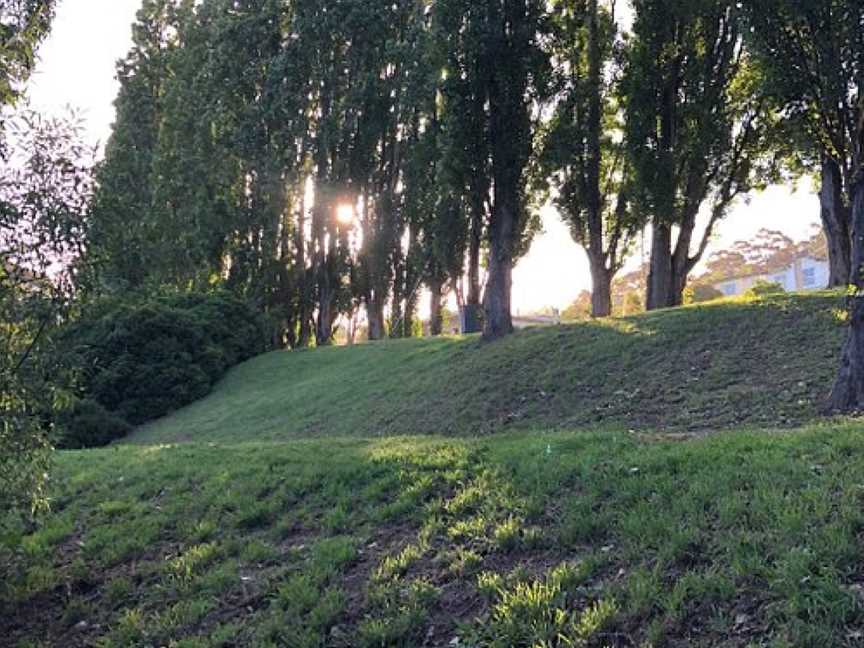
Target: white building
[805,273]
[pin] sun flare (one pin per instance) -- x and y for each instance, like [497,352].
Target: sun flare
[345,214]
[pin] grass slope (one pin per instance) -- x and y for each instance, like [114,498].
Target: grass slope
[568,539]
[738,362]
[248,535]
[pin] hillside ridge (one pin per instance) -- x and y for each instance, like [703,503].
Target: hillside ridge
[763,362]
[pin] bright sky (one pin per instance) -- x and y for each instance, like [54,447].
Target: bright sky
[77,68]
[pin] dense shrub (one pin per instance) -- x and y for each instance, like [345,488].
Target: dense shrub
[764,289]
[89,425]
[139,359]
[701,293]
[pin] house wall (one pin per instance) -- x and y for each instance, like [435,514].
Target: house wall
[804,274]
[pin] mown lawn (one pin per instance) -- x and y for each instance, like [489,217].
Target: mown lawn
[526,539]
[731,363]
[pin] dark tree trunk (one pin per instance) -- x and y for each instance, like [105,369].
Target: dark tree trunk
[326,315]
[410,315]
[305,306]
[325,277]
[375,315]
[498,320]
[836,225]
[660,274]
[848,392]
[601,292]
[436,320]
[476,239]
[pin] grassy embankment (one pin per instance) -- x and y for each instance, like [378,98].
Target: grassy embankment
[293,518]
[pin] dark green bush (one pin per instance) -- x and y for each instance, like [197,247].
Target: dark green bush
[142,358]
[764,289]
[701,293]
[89,425]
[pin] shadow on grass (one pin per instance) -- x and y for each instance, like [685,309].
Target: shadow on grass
[588,538]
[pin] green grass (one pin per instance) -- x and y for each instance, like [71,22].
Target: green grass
[248,534]
[594,539]
[731,363]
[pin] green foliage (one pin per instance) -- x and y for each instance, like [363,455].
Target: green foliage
[25,24]
[86,424]
[539,612]
[699,293]
[142,358]
[44,196]
[764,289]
[583,167]
[701,130]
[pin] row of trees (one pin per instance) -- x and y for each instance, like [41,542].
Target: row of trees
[322,157]
[246,128]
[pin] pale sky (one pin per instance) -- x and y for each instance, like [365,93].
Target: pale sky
[77,68]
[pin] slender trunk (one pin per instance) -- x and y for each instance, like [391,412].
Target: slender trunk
[601,292]
[835,222]
[305,307]
[848,392]
[476,239]
[601,295]
[436,320]
[324,271]
[375,315]
[326,304]
[660,272]
[408,317]
[498,320]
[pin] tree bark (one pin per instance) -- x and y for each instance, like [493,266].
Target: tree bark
[835,224]
[848,393]
[659,289]
[601,292]
[476,239]
[436,320]
[375,316]
[498,320]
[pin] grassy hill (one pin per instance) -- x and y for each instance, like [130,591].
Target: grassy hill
[708,367]
[342,498]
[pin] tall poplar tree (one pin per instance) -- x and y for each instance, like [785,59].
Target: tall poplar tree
[700,130]
[499,74]
[810,53]
[813,54]
[584,156]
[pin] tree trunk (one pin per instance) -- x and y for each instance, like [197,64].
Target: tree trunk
[848,392]
[436,320]
[305,306]
[601,292]
[324,323]
[375,315]
[476,239]
[410,315]
[498,320]
[325,259]
[659,289]
[835,223]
